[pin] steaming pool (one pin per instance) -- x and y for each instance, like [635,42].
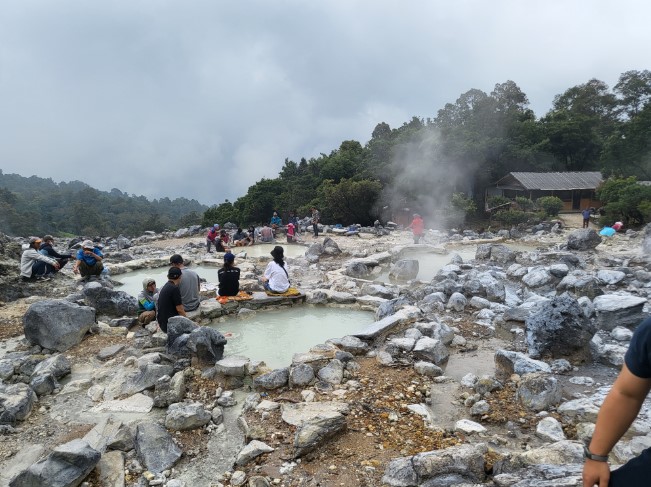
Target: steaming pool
[276,335]
[132,281]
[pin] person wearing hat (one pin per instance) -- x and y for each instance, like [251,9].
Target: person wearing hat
[229,277]
[89,260]
[190,284]
[213,234]
[47,248]
[147,301]
[417,227]
[34,265]
[169,298]
[276,278]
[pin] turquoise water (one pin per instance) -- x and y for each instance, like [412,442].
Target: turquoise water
[274,336]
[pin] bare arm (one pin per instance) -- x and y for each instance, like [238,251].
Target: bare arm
[621,406]
[180,310]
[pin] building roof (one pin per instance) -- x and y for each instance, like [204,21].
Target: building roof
[551,181]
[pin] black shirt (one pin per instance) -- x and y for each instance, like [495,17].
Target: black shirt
[168,299]
[638,355]
[229,281]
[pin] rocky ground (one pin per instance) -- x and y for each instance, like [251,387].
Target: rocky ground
[424,401]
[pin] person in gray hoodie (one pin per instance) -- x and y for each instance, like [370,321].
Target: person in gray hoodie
[147,301]
[34,265]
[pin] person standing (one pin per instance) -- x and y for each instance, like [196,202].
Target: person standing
[291,233]
[276,278]
[229,277]
[617,413]
[33,264]
[147,301]
[169,299]
[417,227]
[47,248]
[586,217]
[316,216]
[213,234]
[89,260]
[190,284]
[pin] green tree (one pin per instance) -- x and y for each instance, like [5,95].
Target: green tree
[625,200]
[349,201]
[551,205]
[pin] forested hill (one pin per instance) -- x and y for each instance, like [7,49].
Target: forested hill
[37,206]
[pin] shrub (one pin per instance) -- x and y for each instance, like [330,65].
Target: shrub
[495,201]
[525,204]
[511,217]
[461,202]
[552,205]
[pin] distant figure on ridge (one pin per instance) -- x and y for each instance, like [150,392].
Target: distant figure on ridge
[189,286]
[89,261]
[34,265]
[147,301]
[213,234]
[417,227]
[229,277]
[47,249]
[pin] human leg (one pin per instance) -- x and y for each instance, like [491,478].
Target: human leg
[39,268]
[315,227]
[146,317]
[634,473]
[207,245]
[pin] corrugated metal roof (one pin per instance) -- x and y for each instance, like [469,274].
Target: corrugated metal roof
[558,181]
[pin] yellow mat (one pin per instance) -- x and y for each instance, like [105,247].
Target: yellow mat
[292,291]
[241,296]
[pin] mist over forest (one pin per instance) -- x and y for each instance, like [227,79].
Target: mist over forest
[461,149]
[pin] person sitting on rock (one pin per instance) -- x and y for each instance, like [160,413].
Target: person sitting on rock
[229,277]
[47,248]
[169,299]
[89,260]
[147,301]
[252,234]
[276,278]
[190,286]
[34,265]
[212,235]
[266,234]
[241,238]
[275,222]
[221,242]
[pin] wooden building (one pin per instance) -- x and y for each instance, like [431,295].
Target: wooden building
[575,189]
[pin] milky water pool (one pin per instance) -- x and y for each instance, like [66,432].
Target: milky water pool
[263,250]
[132,281]
[276,335]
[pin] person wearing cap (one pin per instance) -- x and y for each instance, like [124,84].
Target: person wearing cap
[190,284]
[47,248]
[147,301]
[33,264]
[169,298]
[89,260]
[276,278]
[213,234]
[229,277]
[417,227]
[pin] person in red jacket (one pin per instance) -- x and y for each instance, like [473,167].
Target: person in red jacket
[417,227]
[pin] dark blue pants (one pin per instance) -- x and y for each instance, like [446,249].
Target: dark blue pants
[40,268]
[635,473]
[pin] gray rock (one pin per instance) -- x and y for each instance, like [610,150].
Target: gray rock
[610,277]
[404,270]
[233,366]
[301,375]
[156,447]
[548,329]
[57,324]
[206,345]
[559,453]
[43,384]
[431,350]
[315,431]
[111,351]
[537,277]
[502,254]
[169,390]
[486,384]
[550,429]
[542,476]
[330,247]
[67,465]
[58,365]
[468,427]
[457,302]
[123,440]
[621,334]
[377,290]
[357,270]
[586,239]
[16,402]
[559,270]
[110,469]
[129,381]
[186,416]
[252,451]
[333,373]
[273,380]
[108,301]
[618,310]
[427,369]
[539,392]
[480,408]
[508,363]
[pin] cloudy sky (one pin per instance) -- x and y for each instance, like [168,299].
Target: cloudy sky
[201,98]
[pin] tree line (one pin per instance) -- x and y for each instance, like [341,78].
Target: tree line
[466,147]
[37,206]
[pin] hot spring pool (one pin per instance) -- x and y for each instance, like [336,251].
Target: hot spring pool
[132,281]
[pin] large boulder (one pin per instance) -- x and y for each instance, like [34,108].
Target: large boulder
[586,239]
[330,247]
[404,270]
[57,324]
[618,310]
[548,330]
[16,402]
[185,339]
[67,465]
[156,447]
[108,301]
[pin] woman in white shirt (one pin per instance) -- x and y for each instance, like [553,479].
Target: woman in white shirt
[276,278]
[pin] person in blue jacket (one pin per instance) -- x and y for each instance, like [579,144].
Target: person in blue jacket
[89,260]
[147,301]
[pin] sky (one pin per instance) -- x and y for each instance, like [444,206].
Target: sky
[202,98]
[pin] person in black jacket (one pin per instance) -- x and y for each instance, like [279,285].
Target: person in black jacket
[47,248]
[229,277]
